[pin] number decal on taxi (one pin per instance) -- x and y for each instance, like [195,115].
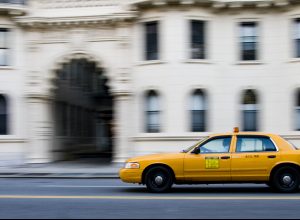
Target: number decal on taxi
[212,163]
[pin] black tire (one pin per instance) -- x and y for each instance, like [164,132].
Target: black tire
[159,179]
[269,184]
[286,180]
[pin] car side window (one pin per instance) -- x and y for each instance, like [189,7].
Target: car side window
[254,144]
[216,145]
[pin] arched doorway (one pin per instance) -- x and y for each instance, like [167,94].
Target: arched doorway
[83,111]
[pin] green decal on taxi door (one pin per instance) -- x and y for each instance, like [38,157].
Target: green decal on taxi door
[212,163]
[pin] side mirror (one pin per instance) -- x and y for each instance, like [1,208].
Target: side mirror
[196,151]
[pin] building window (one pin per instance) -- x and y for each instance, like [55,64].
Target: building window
[198,111]
[3,116]
[248,40]
[297,37]
[249,111]
[151,40]
[152,112]
[4,46]
[297,111]
[197,39]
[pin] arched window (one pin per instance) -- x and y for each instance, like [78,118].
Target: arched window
[3,115]
[152,112]
[198,111]
[249,111]
[297,110]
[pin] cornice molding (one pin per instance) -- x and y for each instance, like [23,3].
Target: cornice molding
[132,9]
[51,4]
[80,20]
[216,4]
[14,9]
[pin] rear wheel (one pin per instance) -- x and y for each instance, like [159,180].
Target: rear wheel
[286,179]
[159,179]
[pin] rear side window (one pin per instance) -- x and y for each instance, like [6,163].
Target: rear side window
[254,144]
[291,143]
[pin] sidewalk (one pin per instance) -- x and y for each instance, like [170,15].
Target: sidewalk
[67,169]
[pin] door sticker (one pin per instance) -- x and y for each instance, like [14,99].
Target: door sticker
[212,163]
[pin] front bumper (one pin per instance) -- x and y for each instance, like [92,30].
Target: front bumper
[131,175]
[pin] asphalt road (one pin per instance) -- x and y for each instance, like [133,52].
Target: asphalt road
[103,198]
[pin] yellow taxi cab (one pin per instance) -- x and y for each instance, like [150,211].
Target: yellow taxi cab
[238,157]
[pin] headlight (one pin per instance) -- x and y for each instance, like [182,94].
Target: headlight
[132,165]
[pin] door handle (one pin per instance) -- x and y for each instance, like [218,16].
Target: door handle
[272,156]
[225,157]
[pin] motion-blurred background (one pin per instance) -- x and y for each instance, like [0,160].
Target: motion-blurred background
[109,79]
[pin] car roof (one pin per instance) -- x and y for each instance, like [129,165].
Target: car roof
[243,133]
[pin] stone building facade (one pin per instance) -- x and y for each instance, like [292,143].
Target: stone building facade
[130,77]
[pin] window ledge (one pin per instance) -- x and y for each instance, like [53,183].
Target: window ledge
[294,60]
[250,62]
[6,68]
[150,62]
[11,139]
[192,136]
[203,61]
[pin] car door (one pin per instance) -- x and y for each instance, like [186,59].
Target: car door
[253,158]
[210,161]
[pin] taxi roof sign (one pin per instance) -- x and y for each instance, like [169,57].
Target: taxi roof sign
[236,129]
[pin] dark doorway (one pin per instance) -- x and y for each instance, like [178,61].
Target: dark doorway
[83,112]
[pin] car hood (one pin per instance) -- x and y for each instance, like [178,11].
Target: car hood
[162,156]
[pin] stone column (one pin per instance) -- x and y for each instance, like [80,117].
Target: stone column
[40,128]
[123,99]
[39,105]
[122,114]
[122,93]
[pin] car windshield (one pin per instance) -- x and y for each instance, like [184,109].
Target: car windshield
[193,146]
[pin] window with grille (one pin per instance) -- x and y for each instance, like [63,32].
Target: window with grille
[3,116]
[297,37]
[198,111]
[152,112]
[248,40]
[4,47]
[198,47]
[151,41]
[250,111]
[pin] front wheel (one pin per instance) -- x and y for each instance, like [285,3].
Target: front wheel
[286,179]
[159,179]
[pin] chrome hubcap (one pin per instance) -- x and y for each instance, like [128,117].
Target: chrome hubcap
[158,180]
[287,180]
